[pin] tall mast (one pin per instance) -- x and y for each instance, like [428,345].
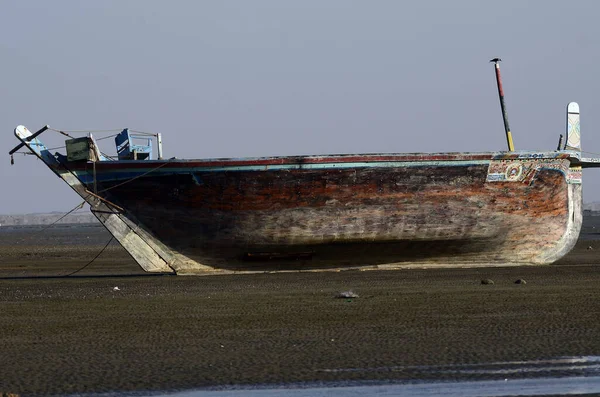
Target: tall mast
[509,140]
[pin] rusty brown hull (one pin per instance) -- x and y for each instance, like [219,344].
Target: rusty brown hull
[345,211]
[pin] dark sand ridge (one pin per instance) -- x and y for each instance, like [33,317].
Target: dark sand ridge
[78,334]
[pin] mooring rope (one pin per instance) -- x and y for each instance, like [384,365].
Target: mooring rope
[132,179]
[106,137]
[65,132]
[78,207]
[144,132]
[92,261]
[60,132]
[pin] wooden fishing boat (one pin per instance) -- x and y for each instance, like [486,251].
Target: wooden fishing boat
[329,212]
[336,211]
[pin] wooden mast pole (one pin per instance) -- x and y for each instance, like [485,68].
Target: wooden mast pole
[509,139]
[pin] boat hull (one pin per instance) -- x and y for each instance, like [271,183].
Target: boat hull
[332,212]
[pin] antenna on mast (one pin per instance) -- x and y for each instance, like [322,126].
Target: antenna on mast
[509,140]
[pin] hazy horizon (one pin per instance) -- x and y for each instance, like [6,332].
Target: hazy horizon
[268,77]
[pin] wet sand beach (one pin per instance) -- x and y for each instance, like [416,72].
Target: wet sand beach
[109,327]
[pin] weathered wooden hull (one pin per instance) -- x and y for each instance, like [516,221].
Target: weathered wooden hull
[318,212]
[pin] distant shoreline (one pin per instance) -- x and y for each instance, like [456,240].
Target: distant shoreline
[46,219]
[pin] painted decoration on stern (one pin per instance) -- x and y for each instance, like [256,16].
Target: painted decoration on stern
[524,170]
[574,176]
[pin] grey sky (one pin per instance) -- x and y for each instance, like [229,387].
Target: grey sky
[252,78]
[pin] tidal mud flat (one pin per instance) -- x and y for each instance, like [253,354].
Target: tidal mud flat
[108,327]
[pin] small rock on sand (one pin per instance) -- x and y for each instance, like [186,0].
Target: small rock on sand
[520,281]
[487,281]
[346,295]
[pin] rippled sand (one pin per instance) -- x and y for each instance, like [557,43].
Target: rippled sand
[81,334]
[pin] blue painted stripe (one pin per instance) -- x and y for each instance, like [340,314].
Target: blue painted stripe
[324,166]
